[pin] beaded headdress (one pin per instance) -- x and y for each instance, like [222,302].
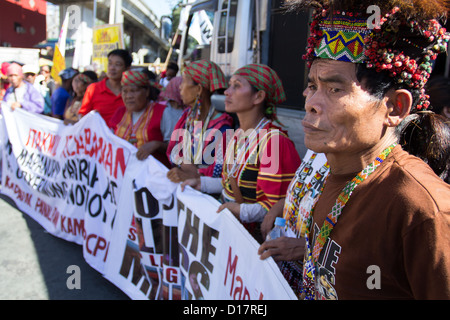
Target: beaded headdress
[402,38]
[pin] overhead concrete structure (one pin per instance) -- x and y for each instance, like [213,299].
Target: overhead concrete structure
[142,27]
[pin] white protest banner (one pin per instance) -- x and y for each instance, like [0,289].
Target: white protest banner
[84,184]
[218,257]
[143,258]
[67,178]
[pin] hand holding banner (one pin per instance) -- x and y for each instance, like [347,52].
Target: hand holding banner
[137,228]
[218,257]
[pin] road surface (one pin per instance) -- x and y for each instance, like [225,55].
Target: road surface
[34,264]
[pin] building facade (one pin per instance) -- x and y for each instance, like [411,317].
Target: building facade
[23,23]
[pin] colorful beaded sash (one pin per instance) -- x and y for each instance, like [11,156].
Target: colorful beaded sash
[297,190]
[311,257]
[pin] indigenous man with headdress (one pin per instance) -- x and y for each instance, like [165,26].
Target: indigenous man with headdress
[379,229]
[139,120]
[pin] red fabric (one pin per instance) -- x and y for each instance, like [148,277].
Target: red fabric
[267,180]
[100,98]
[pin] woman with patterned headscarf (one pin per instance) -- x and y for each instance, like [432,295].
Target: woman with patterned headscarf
[201,129]
[139,120]
[260,158]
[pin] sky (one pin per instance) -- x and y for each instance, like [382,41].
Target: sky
[161,7]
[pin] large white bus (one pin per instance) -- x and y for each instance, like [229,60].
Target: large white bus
[234,33]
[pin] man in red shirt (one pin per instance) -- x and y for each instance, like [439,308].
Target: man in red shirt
[104,96]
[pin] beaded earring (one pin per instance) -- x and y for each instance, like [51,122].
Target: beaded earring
[198,101]
[198,107]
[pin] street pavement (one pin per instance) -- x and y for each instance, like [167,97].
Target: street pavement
[34,264]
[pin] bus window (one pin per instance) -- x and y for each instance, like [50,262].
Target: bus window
[227,26]
[199,37]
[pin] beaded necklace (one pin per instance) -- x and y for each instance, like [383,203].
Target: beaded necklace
[132,128]
[193,135]
[312,256]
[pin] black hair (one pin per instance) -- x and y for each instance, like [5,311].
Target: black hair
[268,115]
[426,135]
[91,74]
[172,65]
[154,92]
[438,88]
[124,54]
[46,65]
[150,74]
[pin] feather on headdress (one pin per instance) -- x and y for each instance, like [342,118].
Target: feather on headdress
[420,9]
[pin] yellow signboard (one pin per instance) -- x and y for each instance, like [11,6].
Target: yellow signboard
[105,39]
[59,64]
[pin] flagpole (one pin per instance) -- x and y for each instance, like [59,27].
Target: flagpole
[95,13]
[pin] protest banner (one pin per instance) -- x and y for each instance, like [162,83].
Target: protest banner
[218,257]
[136,227]
[105,39]
[67,178]
[143,259]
